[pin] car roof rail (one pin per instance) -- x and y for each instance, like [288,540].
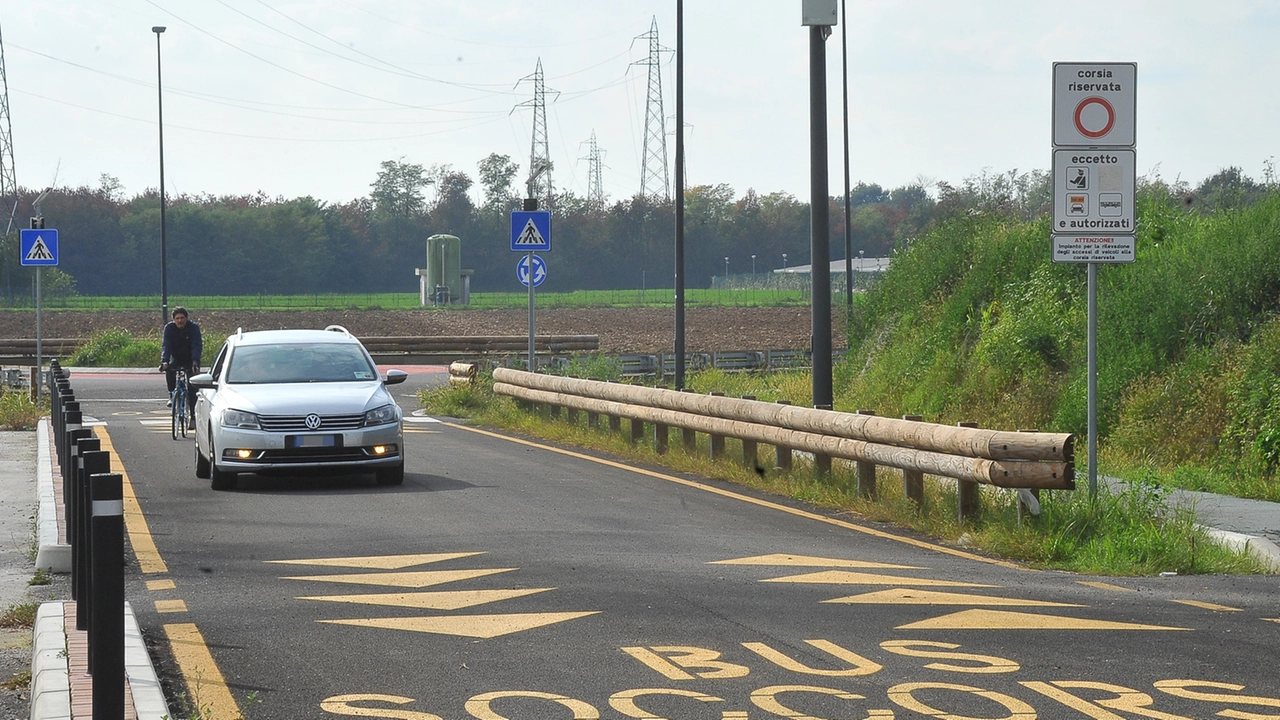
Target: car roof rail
[339,328]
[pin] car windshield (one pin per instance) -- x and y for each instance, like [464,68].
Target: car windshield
[299,363]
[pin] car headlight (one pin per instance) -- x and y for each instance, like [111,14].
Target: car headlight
[380,416]
[240,419]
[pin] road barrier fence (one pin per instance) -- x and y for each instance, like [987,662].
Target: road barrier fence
[970,455]
[93,497]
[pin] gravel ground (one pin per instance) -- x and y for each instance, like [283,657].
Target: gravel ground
[621,330]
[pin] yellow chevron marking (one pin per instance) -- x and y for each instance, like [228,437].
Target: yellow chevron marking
[809,561]
[1008,620]
[431,600]
[420,579]
[903,596]
[382,562]
[1206,605]
[476,626]
[1104,586]
[842,577]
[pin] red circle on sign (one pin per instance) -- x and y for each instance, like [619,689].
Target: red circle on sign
[1111,117]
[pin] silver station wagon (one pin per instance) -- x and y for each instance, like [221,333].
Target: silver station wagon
[296,402]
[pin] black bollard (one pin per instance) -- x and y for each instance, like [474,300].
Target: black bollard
[95,462]
[106,627]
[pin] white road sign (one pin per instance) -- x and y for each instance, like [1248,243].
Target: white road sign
[1095,104]
[1094,248]
[1093,191]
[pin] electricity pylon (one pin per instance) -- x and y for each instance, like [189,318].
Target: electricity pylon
[8,176]
[654,181]
[539,183]
[595,183]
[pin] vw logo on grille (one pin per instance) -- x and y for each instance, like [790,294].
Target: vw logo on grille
[313,421]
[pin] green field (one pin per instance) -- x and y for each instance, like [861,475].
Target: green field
[700,297]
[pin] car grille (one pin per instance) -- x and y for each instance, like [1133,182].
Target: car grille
[313,455]
[298,423]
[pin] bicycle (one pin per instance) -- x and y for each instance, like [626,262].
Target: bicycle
[178,403]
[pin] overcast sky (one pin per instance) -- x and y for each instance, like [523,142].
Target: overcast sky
[294,97]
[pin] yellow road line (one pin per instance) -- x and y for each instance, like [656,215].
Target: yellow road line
[205,683]
[144,548]
[754,501]
[1206,605]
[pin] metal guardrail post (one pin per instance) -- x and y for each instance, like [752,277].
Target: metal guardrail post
[866,471]
[913,480]
[106,629]
[782,452]
[94,462]
[967,491]
[717,441]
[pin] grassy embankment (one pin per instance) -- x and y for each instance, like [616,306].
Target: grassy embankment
[975,323]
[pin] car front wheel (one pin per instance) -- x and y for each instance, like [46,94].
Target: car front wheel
[202,465]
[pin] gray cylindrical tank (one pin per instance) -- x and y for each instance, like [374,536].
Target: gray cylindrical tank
[444,270]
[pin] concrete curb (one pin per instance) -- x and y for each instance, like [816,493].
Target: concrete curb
[51,673]
[51,556]
[1263,550]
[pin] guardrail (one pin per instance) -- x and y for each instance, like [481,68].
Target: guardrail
[19,351]
[970,455]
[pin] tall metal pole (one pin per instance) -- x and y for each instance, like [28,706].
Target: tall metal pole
[820,217]
[1093,379]
[848,231]
[533,363]
[164,260]
[679,199]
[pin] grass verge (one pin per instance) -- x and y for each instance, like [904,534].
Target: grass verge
[1136,532]
[17,411]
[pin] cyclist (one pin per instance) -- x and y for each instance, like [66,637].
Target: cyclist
[180,349]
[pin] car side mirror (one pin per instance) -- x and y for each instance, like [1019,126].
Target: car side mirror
[203,381]
[395,377]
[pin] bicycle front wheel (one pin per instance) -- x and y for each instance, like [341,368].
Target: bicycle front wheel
[175,414]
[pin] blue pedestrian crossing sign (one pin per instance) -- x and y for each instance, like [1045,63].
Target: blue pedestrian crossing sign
[38,247]
[531,231]
[539,270]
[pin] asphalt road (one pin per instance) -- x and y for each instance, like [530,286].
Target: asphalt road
[510,580]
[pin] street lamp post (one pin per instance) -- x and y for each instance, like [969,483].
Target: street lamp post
[164,259]
[726,270]
[784,261]
[753,266]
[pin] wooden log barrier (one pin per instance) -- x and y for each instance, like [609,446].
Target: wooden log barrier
[1047,475]
[959,440]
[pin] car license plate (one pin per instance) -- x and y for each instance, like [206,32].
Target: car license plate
[302,441]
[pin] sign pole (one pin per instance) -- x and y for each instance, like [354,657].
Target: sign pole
[532,360]
[1093,380]
[39,340]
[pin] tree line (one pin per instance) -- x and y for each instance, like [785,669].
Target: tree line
[252,244]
